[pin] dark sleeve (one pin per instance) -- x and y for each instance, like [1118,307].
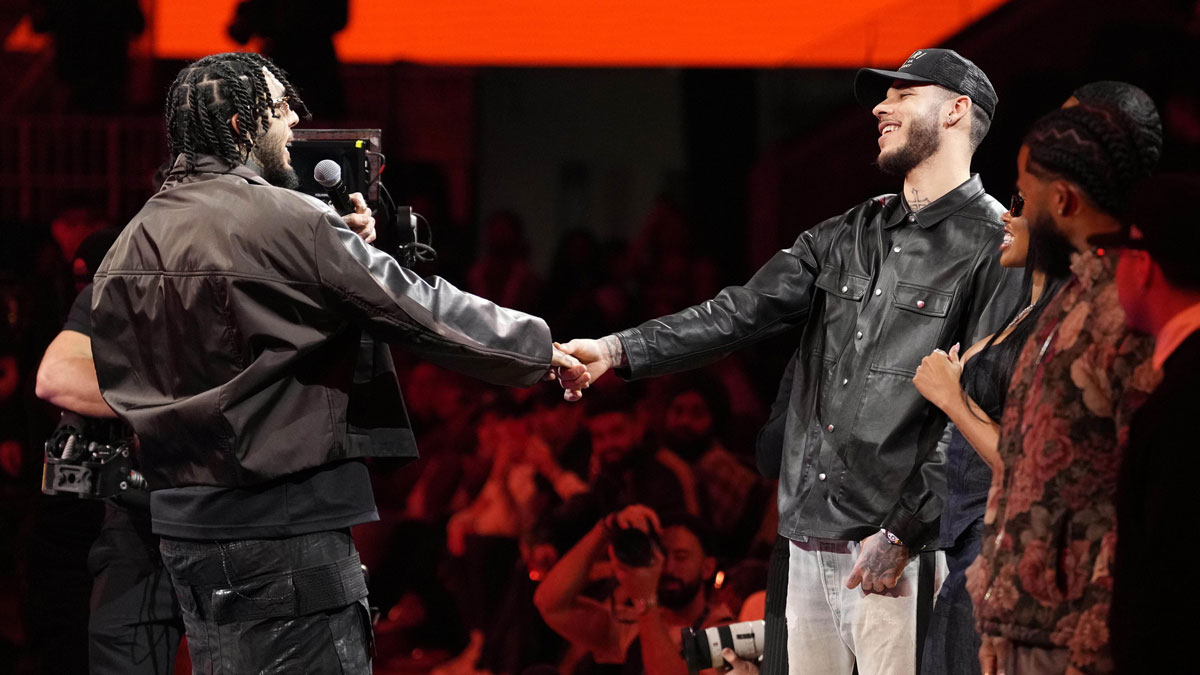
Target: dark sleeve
[768,447]
[776,298]
[432,319]
[80,317]
[993,293]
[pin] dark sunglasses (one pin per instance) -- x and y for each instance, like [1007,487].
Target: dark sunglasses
[1017,205]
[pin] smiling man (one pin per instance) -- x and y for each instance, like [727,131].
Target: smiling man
[235,327]
[875,289]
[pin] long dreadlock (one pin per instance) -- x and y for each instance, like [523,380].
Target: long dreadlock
[205,96]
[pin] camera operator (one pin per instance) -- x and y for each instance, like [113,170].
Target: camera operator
[134,624]
[638,624]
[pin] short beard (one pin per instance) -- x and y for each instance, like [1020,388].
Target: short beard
[1049,250]
[677,599]
[274,168]
[923,141]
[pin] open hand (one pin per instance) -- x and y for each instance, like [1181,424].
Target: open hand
[361,221]
[879,566]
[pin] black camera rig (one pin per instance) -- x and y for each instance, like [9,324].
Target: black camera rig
[77,463]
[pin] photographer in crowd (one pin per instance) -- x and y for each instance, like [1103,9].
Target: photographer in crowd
[662,570]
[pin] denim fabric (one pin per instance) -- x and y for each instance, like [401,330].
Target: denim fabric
[952,645]
[833,629]
[968,478]
[272,605]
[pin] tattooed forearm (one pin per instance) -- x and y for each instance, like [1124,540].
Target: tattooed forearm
[614,351]
[916,202]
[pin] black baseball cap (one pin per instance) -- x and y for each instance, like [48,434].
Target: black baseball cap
[930,66]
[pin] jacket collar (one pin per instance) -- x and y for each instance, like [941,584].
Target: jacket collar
[210,165]
[946,205]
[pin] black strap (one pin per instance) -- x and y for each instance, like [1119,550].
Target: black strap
[926,567]
[775,659]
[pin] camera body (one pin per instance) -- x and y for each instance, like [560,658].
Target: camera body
[635,547]
[76,463]
[702,646]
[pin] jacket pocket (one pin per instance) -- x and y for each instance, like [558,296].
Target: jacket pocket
[842,284]
[915,324]
[922,299]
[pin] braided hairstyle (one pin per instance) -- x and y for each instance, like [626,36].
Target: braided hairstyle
[205,96]
[1094,148]
[1138,106]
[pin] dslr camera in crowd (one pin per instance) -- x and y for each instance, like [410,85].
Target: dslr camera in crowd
[702,646]
[635,547]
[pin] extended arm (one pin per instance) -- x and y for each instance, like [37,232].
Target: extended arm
[578,619]
[777,297]
[431,318]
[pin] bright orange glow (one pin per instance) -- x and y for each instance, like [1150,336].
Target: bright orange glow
[762,33]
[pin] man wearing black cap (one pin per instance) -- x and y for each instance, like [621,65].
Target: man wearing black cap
[1159,285]
[875,289]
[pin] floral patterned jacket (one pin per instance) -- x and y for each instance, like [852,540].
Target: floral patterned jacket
[1043,576]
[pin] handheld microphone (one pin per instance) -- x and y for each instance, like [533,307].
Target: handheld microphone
[328,175]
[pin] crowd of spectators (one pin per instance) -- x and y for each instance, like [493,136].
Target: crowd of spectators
[509,484]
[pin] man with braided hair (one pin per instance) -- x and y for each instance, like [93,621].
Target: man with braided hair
[235,328]
[1042,583]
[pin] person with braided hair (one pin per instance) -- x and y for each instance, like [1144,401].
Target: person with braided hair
[1133,103]
[238,328]
[1042,583]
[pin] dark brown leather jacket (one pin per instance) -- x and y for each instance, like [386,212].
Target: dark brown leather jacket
[875,290]
[235,324]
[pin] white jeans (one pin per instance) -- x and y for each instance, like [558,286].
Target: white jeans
[829,625]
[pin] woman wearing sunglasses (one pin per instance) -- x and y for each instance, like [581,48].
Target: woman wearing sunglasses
[970,389]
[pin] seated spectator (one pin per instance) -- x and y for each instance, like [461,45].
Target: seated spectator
[638,624]
[623,470]
[735,499]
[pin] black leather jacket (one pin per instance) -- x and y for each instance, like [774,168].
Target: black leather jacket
[876,289]
[233,327]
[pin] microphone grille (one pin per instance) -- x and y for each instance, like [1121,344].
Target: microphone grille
[327,173]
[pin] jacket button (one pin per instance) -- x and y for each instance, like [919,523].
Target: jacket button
[920,304]
[845,288]
[858,335]
[829,428]
[895,249]
[821,476]
[912,217]
[845,381]
[878,291]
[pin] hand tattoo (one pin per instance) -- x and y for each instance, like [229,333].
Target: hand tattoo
[916,202]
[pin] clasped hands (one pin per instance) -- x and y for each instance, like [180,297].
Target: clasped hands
[579,363]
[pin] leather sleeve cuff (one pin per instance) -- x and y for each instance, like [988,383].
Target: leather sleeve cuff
[635,353]
[906,526]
